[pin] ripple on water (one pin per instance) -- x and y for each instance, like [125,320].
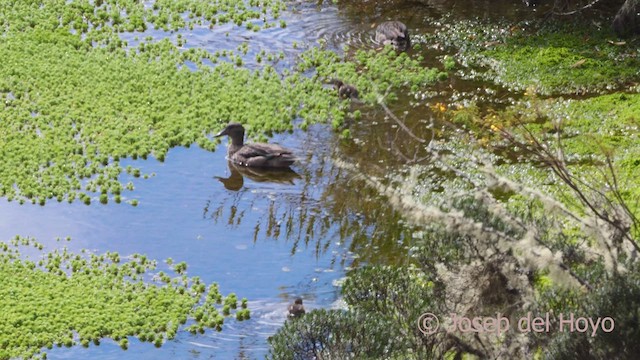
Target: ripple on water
[308,23]
[335,29]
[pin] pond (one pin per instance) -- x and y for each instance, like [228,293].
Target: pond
[268,241]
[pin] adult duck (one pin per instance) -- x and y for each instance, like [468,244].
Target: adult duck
[258,155]
[393,33]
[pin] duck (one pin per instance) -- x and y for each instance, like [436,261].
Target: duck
[393,33]
[345,91]
[258,155]
[296,309]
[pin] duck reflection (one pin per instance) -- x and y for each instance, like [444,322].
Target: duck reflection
[236,180]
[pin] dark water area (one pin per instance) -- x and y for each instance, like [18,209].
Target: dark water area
[270,238]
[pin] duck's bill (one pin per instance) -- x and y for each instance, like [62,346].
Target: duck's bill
[221,133]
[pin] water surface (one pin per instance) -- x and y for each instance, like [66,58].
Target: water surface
[268,241]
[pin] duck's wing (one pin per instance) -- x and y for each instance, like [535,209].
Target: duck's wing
[269,150]
[265,155]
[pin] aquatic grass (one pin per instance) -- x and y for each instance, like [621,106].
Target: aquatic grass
[561,63]
[588,133]
[605,125]
[70,113]
[75,104]
[374,73]
[68,299]
[551,59]
[370,71]
[170,15]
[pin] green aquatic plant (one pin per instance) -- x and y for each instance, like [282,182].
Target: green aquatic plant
[371,72]
[78,100]
[170,15]
[551,59]
[78,299]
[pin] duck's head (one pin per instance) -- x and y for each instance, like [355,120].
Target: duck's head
[399,43]
[336,82]
[298,301]
[233,130]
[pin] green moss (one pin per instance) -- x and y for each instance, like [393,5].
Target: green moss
[552,58]
[95,297]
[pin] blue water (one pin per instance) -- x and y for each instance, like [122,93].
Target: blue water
[183,213]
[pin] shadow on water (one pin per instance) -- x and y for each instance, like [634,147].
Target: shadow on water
[235,180]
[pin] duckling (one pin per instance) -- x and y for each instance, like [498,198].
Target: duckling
[393,33]
[257,154]
[296,309]
[345,91]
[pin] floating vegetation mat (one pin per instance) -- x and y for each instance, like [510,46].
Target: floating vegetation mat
[66,299]
[75,100]
[130,15]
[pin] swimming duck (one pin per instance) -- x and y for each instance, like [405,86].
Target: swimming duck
[393,33]
[296,309]
[345,91]
[256,154]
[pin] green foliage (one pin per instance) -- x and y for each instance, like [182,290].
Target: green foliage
[449,63]
[385,303]
[618,298]
[324,334]
[590,130]
[555,58]
[94,297]
[371,72]
[120,16]
[389,292]
[70,114]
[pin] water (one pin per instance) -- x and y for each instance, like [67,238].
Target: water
[241,238]
[269,241]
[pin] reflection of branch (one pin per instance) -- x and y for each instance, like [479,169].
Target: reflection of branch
[395,118]
[562,4]
[603,207]
[556,163]
[421,214]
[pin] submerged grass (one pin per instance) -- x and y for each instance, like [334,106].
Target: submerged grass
[67,299]
[587,133]
[550,58]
